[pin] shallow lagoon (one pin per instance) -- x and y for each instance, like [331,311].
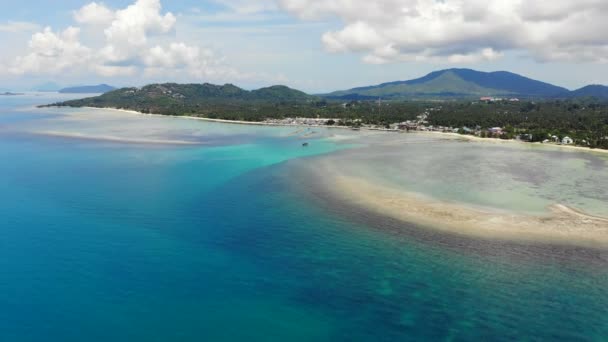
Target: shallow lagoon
[103,240]
[502,175]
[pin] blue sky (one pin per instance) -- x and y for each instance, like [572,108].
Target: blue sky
[314,45]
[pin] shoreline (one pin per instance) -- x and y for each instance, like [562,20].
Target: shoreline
[561,225]
[234,122]
[512,141]
[445,134]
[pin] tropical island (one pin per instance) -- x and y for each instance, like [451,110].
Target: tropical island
[487,105]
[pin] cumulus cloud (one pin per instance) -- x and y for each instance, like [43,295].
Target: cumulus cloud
[114,70]
[129,31]
[176,55]
[461,30]
[94,14]
[136,41]
[179,57]
[52,52]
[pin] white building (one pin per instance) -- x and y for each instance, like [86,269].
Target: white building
[567,141]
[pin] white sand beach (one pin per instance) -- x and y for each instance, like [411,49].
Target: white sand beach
[562,225]
[444,134]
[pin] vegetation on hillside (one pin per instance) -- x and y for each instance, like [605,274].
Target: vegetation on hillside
[458,83]
[233,103]
[590,91]
[585,121]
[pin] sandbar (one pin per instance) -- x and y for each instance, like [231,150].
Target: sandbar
[560,225]
[112,138]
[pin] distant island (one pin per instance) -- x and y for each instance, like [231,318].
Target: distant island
[577,120]
[92,89]
[48,87]
[8,93]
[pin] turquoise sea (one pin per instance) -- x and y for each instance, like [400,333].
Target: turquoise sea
[109,240]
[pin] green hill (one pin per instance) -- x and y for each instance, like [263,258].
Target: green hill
[279,93]
[596,91]
[199,99]
[160,95]
[456,83]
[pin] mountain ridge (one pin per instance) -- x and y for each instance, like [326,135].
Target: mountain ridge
[593,91]
[457,82]
[173,98]
[442,84]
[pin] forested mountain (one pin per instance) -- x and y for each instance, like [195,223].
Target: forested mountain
[457,83]
[591,91]
[201,99]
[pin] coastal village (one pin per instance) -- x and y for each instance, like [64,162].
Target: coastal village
[421,124]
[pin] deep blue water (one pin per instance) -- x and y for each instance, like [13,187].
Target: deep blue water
[106,241]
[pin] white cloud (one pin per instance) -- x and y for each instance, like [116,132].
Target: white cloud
[52,52]
[459,31]
[114,70]
[131,27]
[179,58]
[136,41]
[178,54]
[94,14]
